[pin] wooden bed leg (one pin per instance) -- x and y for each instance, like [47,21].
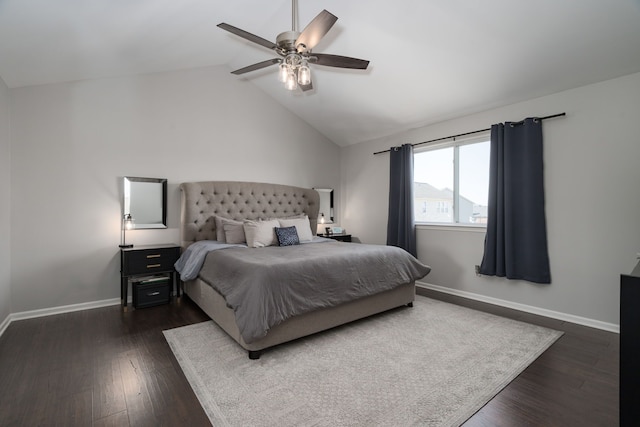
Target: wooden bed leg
[254,355]
[410,304]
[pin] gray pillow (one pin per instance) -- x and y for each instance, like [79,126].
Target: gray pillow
[219,229]
[233,231]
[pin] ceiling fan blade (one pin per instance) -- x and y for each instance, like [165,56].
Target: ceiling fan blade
[338,61]
[317,28]
[246,35]
[306,87]
[256,66]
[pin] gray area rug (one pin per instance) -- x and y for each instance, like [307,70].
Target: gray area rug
[434,364]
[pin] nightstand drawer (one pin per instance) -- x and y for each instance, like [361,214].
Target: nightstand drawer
[139,263]
[150,261]
[148,295]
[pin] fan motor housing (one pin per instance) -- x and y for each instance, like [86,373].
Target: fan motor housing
[287,41]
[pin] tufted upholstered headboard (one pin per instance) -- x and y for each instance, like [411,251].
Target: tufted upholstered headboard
[240,200]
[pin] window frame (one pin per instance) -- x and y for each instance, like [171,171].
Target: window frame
[455,143]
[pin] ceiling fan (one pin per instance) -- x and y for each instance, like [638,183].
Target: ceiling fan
[294,47]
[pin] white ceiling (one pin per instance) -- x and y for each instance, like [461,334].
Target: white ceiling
[431,60]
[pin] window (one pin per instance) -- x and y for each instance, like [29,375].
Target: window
[451,182]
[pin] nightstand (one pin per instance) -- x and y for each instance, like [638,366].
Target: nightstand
[341,237]
[147,260]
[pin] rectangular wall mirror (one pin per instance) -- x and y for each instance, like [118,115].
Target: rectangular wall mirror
[146,200]
[326,205]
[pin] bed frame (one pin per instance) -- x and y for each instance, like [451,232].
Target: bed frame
[251,200]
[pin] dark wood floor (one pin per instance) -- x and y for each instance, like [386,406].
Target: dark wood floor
[100,367]
[103,367]
[574,383]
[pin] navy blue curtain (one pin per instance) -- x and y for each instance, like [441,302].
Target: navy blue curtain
[401,229]
[516,242]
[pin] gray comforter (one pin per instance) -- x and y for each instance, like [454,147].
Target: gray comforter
[265,286]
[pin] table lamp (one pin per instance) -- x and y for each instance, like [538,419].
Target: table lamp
[127,224]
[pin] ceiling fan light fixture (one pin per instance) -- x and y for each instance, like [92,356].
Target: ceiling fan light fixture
[294,48]
[304,73]
[283,72]
[291,83]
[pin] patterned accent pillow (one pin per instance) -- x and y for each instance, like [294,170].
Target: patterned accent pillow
[287,236]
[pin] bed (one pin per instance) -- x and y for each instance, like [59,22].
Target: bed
[313,286]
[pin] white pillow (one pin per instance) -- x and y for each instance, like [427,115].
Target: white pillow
[261,233]
[302,225]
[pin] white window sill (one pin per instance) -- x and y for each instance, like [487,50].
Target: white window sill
[452,227]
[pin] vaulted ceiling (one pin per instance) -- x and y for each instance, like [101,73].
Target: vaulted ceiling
[431,60]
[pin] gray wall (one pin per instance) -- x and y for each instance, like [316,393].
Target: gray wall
[5,202]
[592,202]
[72,143]
[69,145]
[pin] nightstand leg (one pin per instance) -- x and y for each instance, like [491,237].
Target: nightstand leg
[176,281]
[124,285]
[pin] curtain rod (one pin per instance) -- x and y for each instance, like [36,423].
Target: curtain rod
[471,133]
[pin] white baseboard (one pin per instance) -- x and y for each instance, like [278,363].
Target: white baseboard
[64,309]
[611,327]
[60,310]
[592,323]
[5,324]
[56,310]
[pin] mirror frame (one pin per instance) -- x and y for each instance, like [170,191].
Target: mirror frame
[328,218]
[126,202]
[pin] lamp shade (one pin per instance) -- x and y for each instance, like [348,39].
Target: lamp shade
[304,74]
[291,83]
[127,224]
[283,72]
